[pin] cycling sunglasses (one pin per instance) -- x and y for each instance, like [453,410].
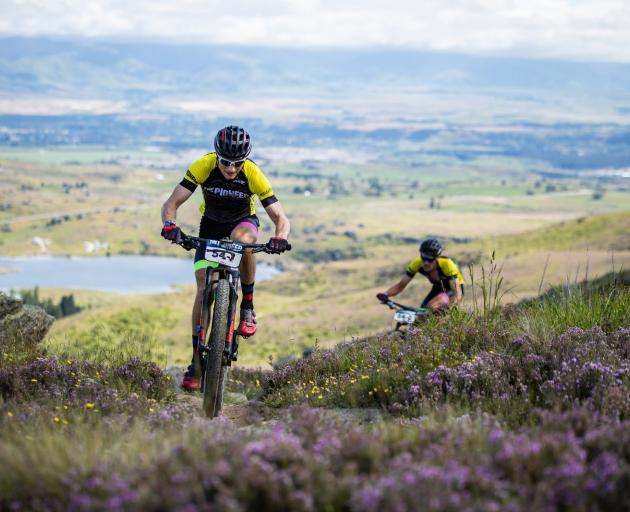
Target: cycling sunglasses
[227,163]
[426,257]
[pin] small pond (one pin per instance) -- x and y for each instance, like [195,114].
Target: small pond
[119,274]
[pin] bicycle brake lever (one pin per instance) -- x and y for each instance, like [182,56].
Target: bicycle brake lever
[187,243]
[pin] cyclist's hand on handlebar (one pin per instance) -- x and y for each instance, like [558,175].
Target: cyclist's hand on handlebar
[277,245]
[171,232]
[382,297]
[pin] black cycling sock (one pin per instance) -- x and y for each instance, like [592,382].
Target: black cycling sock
[248,296]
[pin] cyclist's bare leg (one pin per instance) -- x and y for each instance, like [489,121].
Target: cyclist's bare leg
[191,380]
[200,278]
[439,304]
[247,233]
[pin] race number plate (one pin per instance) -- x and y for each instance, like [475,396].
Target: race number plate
[223,256]
[405,316]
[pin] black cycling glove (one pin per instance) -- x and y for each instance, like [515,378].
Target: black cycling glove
[277,245]
[171,232]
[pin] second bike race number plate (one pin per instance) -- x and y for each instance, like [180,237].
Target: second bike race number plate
[223,256]
[405,316]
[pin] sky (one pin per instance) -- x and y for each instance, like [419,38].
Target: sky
[594,30]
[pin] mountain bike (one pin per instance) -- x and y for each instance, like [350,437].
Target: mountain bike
[406,315]
[218,341]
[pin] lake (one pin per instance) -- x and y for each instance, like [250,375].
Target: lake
[119,274]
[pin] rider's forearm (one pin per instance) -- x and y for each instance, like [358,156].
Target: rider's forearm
[169,212]
[399,286]
[283,227]
[281,221]
[395,290]
[457,296]
[175,200]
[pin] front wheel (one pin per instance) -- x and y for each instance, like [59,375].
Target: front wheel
[216,344]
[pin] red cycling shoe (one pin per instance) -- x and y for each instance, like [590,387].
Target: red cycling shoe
[190,382]
[247,325]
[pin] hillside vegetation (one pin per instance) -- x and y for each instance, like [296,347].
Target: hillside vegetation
[607,232]
[330,302]
[520,408]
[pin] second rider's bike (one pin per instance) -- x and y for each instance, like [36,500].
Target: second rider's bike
[218,340]
[406,315]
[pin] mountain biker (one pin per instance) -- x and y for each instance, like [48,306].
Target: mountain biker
[441,271]
[228,180]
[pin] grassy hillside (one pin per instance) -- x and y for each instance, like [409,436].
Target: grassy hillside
[607,232]
[331,302]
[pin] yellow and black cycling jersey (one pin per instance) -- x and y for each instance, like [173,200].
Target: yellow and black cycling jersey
[447,271]
[228,200]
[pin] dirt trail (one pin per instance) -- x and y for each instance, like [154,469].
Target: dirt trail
[246,414]
[240,413]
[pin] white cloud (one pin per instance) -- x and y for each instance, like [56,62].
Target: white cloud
[577,29]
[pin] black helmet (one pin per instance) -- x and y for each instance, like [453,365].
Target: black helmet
[233,143]
[430,249]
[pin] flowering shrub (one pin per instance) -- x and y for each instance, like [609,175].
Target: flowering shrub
[61,388]
[576,460]
[415,374]
[246,381]
[480,420]
[364,373]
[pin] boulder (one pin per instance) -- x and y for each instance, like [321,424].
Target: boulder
[8,305]
[28,324]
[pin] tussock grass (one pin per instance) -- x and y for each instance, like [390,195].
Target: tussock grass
[103,344]
[603,303]
[115,339]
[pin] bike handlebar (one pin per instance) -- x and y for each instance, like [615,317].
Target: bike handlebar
[193,242]
[393,305]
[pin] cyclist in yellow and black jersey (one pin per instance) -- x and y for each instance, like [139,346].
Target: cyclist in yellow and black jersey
[229,180]
[441,271]
[228,199]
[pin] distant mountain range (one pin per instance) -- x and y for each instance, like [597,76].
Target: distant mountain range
[139,71]
[559,116]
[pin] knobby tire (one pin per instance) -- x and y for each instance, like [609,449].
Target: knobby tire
[216,343]
[223,377]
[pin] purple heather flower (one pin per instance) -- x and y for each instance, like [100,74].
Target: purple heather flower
[434,378]
[604,469]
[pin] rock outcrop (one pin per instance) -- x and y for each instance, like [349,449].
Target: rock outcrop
[29,324]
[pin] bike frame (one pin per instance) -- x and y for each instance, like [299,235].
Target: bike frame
[220,333]
[213,276]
